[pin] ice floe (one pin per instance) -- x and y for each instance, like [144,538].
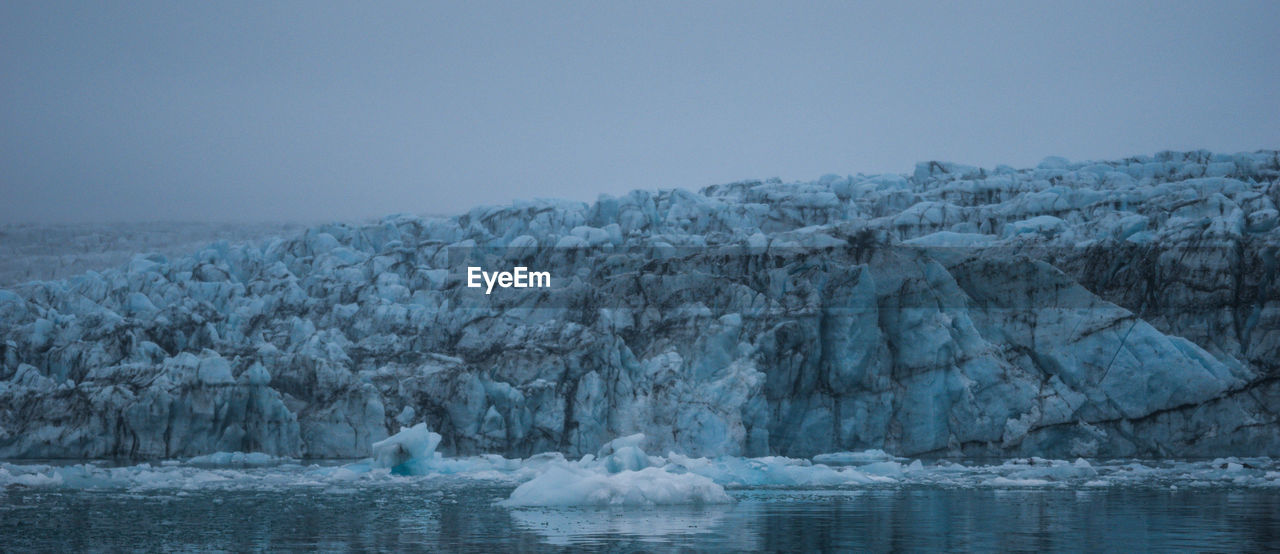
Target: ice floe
[622,474]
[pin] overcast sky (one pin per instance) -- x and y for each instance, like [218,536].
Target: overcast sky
[140,111]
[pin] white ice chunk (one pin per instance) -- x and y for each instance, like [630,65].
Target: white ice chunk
[412,443]
[569,486]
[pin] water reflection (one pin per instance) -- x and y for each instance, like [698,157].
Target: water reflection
[1030,519]
[568,526]
[431,517]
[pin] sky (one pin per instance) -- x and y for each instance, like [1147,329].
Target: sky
[318,111]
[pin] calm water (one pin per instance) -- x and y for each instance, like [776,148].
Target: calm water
[464,517]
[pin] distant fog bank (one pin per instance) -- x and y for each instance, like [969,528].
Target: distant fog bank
[34,251]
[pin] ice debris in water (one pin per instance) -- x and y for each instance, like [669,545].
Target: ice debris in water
[238,459]
[873,455]
[622,473]
[568,485]
[414,444]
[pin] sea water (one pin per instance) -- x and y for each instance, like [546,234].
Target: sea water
[1205,505]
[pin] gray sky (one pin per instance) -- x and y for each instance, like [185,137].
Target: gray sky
[126,111]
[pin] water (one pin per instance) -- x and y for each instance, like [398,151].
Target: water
[461,515]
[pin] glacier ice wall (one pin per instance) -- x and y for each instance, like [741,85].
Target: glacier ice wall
[1123,308]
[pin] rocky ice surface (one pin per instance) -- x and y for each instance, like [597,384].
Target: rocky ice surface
[1102,309]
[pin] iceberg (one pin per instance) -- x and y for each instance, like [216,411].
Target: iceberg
[412,444]
[567,486]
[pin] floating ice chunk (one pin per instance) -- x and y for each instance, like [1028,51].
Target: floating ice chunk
[771,471]
[550,479]
[883,469]
[1007,482]
[572,486]
[1053,470]
[28,478]
[416,444]
[866,456]
[624,454]
[242,459]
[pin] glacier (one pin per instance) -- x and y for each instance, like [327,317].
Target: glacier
[1113,309]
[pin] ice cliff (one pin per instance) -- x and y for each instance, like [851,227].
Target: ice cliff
[1124,308]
